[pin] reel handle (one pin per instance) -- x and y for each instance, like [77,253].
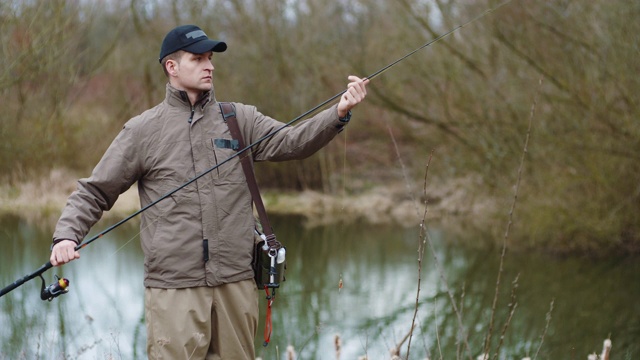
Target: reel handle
[54,290]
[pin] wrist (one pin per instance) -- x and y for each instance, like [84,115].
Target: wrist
[57,241]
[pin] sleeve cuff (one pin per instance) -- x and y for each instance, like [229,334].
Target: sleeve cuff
[55,241]
[346,118]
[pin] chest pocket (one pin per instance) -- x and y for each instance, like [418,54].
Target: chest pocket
[226,144]
[220,152]
[222,146]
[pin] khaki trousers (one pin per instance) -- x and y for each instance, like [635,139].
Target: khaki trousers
[203,322]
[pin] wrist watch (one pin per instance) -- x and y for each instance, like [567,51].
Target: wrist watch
[346,118]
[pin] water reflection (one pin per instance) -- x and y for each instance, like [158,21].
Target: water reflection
[102,316]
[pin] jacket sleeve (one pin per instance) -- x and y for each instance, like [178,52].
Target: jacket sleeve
[114,174]
[292,142]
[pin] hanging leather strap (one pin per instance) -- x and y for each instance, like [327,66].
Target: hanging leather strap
[229,115]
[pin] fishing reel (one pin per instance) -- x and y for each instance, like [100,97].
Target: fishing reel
[54,290]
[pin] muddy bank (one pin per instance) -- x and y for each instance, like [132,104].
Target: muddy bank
[388,204]
[41,202]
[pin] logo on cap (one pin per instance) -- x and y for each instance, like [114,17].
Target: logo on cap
[195,34]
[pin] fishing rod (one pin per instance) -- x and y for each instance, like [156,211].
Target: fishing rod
[61,285]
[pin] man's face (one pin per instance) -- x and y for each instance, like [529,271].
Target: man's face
[193,73]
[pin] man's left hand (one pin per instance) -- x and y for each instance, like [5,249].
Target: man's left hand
[356,92]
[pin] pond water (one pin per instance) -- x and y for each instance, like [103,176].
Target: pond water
[103,316]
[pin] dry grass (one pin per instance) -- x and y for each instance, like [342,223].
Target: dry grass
[386,204]
[41,200]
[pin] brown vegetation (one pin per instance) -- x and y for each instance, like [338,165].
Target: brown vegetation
[74,72]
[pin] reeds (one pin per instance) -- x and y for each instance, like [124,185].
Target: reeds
[487,346]
[606,351]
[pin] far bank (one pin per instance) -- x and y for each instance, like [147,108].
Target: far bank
[456,204]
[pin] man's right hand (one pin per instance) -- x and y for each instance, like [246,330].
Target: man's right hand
[64,252]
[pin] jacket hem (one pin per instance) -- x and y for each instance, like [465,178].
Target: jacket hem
[198,283]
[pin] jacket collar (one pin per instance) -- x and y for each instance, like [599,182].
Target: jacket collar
[179,98]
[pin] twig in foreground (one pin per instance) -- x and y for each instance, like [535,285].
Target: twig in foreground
[544,333]
[423,237]
[487,344]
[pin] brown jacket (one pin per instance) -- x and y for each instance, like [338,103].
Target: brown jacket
[203,234]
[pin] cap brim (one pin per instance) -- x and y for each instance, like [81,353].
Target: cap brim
[206,45]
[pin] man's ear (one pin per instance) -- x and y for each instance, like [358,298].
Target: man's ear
[172,67]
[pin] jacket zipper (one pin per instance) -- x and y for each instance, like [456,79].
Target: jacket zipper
[205,242]
[193,110]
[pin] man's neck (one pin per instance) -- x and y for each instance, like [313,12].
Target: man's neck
[191,94]
[193,97]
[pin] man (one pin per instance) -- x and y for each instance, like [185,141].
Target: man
[200,296]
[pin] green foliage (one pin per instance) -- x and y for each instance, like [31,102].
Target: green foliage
[74,72]
[581,191]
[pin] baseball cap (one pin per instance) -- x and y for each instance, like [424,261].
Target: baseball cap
[189,38]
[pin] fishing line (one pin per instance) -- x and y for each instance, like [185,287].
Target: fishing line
[141,229]
[83,244]
[344,170]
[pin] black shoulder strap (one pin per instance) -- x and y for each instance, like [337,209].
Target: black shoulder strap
[229,115]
